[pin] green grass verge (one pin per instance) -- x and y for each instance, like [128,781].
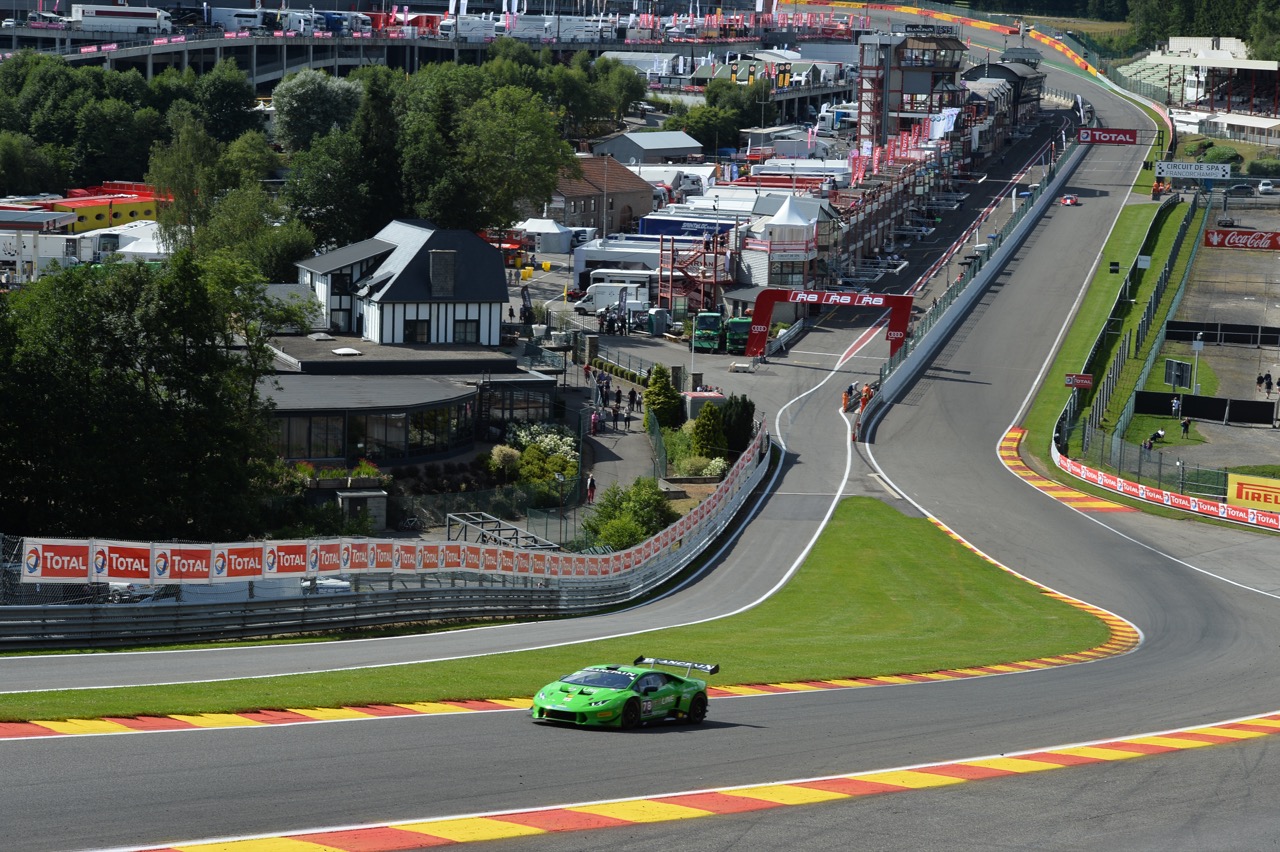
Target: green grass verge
[879,594]
[1123,246]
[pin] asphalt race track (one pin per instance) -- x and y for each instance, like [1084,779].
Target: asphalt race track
[1208,654]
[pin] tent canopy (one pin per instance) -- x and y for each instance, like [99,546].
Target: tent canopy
[542,226]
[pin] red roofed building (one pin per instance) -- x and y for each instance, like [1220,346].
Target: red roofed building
[112,203]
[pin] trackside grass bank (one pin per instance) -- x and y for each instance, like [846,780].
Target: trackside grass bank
[879,594]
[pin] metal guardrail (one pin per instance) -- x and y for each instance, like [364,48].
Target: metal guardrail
[52,627]
[470,596]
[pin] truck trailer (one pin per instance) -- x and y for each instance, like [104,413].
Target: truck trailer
[235,20]
[119,19]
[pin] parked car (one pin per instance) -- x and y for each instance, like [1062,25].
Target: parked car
[1266,187]
[9,23]
[130,592]
[1241,190]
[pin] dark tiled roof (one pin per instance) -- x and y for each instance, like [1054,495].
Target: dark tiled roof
[345,256]
[480,275]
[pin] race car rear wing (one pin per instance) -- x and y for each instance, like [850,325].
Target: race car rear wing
[706,668]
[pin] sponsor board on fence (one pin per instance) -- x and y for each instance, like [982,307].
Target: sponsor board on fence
[52,560]
[1234,238]
[1253,491]
[181,563]
[1241,514]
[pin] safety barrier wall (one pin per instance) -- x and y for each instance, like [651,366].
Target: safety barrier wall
[950,311]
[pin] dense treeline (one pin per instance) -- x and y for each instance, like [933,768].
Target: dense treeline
[132,390]
[465,146]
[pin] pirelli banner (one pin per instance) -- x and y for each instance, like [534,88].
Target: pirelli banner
[58,560]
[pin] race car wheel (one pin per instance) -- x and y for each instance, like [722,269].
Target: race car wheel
[698,709]
[630,714]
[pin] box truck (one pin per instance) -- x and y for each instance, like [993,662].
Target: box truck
[119,19]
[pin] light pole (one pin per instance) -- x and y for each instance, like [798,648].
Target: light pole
[560,482]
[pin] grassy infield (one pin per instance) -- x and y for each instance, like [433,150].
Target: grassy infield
[879,594]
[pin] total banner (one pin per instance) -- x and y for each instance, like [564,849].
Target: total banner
[55,560]
[58,560]
[1210,508]
[1107,136]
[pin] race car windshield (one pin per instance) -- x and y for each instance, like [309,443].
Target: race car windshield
[601,679]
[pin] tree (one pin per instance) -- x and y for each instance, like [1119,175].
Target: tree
[708,433]
[620,533]
[661,401]
[1264,31]
[436,100]
[620,85]
[325,192]
[185,170]
[246,223]
[377,129]
[711,126]
[249,159]
[26,168]
[512,157]
[108,143]
[226,101]
[739,422]
[130,412]
[309,104]
[627,516]
[752,105]
[170,86]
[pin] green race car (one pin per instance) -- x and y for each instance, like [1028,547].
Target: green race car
[625,696]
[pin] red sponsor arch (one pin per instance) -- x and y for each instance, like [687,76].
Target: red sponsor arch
[899,308]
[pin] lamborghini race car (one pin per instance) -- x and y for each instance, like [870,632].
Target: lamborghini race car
[625,696]
[1070,201]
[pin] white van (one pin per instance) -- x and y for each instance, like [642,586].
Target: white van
[609,295]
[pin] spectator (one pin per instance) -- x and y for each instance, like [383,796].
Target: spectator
[591,488]
[1260,383]
[1266,384]
[631,400]
[617,415]
[511,313]
[617,396]
[1175,406]
[1186,426]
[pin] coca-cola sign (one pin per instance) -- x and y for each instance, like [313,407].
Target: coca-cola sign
[1236,239]
[1107,136]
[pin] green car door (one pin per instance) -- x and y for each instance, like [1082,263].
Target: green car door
[659,694]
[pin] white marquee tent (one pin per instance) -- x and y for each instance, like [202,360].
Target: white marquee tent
[550,234]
